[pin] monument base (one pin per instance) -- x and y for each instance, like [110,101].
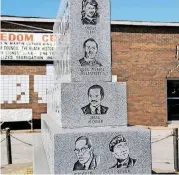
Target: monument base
[105,150]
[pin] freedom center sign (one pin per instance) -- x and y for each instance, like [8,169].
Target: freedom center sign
[26,46]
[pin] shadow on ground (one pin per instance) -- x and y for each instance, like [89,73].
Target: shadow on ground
[21,125]
[153,172]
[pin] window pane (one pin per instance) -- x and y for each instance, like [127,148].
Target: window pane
[173,109]
[173,88]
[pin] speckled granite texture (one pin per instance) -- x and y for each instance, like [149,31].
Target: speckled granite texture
[133,143]
[137,142]
[77,110]
[73,29]
[89,133]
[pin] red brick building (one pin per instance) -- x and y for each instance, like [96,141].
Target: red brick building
[144,54]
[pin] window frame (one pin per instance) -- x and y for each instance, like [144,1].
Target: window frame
[170,98]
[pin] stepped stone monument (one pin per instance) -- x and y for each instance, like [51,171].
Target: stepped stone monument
[85,129]
[83,41]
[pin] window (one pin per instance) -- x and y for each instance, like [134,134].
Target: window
[177,52]
[173,99]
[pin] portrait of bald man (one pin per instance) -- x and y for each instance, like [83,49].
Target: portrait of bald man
[90,48]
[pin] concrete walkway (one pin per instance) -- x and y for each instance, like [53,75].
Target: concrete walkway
[162,151]
[21,152]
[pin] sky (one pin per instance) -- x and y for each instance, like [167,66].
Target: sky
[133,10]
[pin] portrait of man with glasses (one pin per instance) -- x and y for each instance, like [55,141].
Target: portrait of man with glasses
[84,151]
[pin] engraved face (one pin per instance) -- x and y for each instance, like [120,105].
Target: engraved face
[82,151]
[90,10]
[121,151]
[95,97]
[90,50]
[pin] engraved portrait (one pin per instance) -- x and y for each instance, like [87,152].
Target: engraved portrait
[95,97]
[90,48]
[89,12]
[84,151]
[120,150]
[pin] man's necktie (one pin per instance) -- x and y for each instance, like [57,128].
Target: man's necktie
[96,111]
[84,167]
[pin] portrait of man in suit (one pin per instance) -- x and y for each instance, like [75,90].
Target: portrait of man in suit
[90,48]
[89,12]
[95,97]
[120,150]
[84,151]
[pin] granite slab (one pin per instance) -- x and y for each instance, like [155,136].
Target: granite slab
[83,44]
[93,104]
[103,150]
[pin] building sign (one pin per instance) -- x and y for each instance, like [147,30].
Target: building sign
[26,46]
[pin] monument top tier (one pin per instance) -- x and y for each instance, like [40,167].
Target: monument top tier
[83,41]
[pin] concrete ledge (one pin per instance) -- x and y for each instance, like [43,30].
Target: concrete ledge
[40,165]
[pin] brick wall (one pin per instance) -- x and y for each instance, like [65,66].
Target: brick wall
[144,57]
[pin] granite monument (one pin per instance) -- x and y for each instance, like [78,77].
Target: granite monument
[85,129]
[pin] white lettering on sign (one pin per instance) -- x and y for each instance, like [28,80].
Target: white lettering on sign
[26,46]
